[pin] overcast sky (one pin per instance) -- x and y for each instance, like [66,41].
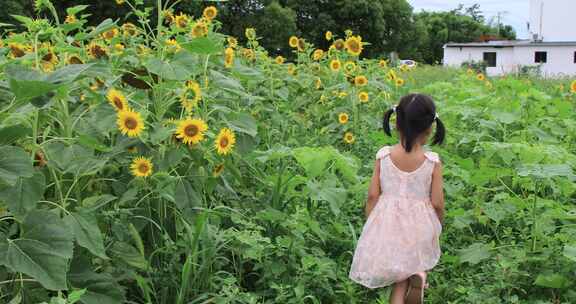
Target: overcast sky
[514,12]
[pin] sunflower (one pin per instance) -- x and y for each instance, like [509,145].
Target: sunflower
[391,76]
[70,19]
[350,67]
[469,71]
[191,130]
[130,123]
[17,50]
[480,77]
[189,101]
[573,87]
[399,82]
[343,118]
[349,138]
[119,48]
[383,63]
[249,54]
[50,57]
[250,33]
[181,20]
[200,29]
[363,96]
[335,65]
[141,167]
[354,45]
[218,170]
[173,45]
[95,50]
[279,60]
[318,54]
[291,69]
[225,141]
[360,80]
[301,45]
[110,34]
[132,149]
[339,44]
[348,32]
[229,57]
[210,12]
[168,17]
[96,85]
[232,42]
[129,29]
[318,83]
[117,100]
[120,2]
[293,42]
[328,35]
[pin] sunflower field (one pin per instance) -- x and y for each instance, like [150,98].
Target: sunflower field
[162,161]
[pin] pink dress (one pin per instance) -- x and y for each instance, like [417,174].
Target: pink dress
[401,235]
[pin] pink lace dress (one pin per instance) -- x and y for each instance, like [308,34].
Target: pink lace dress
[401,235]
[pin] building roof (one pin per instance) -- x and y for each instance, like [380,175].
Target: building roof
[511,43]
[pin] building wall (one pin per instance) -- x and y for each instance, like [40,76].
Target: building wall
[560,59]
[558,21]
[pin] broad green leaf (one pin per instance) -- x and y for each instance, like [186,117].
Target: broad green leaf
[96,202]
[92,143]
[73,159]
[25,83]
[313,160]
[129,254]
[346,165]
[101,288]
[167,70]
[14,163]
[68,73]
[23,196]
[551,280]
[86,232]
[327,191]
[570,252]
[43,250]
[228,83]
[242,122]
[101,28]
[185,196]
[10,134]
[475,253]
[76,9]
[547,171]
[277,152]
[203,45]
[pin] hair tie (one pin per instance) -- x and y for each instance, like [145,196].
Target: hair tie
[436,116]
[394,109]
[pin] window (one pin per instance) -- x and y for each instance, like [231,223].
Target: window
[540,57]
[574,57]
[490,59]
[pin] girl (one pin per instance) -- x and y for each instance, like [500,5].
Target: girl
[405,207]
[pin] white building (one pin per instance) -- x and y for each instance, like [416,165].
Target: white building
[552,44]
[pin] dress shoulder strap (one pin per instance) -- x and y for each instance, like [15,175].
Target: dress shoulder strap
[432,156]
[383,152]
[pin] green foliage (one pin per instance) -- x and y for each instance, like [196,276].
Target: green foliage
[276,220]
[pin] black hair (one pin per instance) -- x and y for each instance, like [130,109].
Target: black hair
[415,114]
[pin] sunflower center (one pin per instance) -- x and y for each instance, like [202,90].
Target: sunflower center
[143,168]
[118,103]
[224,142]
[131,123]
[191,130]
[353,45]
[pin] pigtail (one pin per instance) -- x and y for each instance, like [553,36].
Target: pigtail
[440,133]
[386,122]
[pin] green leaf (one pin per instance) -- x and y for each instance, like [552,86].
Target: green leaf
[347,166]
[76,9]
[228,83]
[43,250]
[475,253]
[551,280]
[167,70]
[327,191]
[24,195]
[26,83]
[14,163]
[68,73]
[86,232]
[73,159]
[92,143]
[242,122]
[313,160]
[547,171]
[570,252]
[10,134]
[185,196]
[101,28]
[129,254]
[96,202]
[101,288]
[203,45]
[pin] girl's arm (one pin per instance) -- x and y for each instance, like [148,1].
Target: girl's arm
[437,194]
[374,190]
